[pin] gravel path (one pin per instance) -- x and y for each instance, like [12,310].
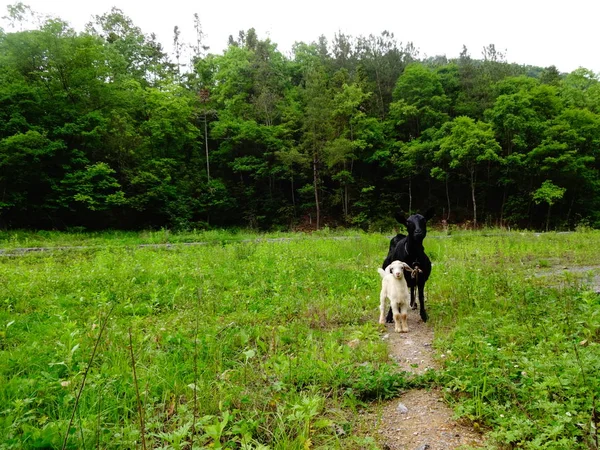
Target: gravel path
[419,419]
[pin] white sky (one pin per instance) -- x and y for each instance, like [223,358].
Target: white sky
[536,32]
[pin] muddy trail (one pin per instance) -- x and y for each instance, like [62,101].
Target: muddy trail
[419,419]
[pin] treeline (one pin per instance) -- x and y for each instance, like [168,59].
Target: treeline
[103,129]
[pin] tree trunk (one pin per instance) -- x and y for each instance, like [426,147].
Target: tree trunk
[569,211]
[345,195]
[410,195]
[530,202]
[346,201]
[548,217]
[316,186]
[380,94]
[447,198]
[206,146]
[293,194]
[503,205]
[347,190]
[473,198]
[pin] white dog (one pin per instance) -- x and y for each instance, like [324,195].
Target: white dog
[394,287]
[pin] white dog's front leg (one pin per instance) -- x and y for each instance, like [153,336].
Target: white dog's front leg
[404,318]
[382,307]
[397,322]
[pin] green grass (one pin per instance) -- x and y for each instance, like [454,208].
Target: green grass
[16,239]
[520,336]
[244,343]
[249,335]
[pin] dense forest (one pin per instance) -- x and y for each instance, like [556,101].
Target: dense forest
[106,129]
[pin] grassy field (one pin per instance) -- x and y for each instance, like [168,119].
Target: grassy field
[255,344]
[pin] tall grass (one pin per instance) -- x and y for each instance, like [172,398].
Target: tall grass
[274,344]
[520,336]
[265,347]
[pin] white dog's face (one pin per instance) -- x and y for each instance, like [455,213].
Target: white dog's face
[397,270]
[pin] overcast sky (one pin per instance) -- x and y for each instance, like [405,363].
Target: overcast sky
[535,32]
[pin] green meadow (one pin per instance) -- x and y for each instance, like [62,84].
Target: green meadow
[248,341]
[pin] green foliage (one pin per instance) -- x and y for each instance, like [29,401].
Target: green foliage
[548,193]
[255,355]
[521,342]
[260,125]
[280,350]
[95,187]
[29,168]
[469,143]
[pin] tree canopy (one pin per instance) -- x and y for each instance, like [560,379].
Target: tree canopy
[101,128]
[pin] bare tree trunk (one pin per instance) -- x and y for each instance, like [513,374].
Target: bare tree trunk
[548,217]
[346,201]
[380,93]
[293,194]
[316,186]
[447,197]
[569,212]
[473,198]
[344,187]
[206,146]
[347,190]
[503,205]
[410,195]
[529,203]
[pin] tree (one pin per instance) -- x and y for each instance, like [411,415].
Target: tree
[550,75]
[520,117]
[569,156]
[420,106]
[581,89]
[382,60]
[468,144]
[349,127]
[30,170]
[94,187]
[131,52]
[101,124]
[548,193]
[520,113]
[420,102]
[317,128]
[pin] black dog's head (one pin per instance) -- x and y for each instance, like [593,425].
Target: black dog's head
[416,224]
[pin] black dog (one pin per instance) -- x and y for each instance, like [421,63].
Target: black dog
[410,250]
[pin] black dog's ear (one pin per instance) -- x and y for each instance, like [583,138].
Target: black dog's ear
[400,217]
[429,213]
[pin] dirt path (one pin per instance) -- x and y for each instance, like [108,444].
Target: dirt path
[419,419]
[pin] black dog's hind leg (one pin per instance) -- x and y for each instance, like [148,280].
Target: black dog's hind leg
[422,311]
[390,316]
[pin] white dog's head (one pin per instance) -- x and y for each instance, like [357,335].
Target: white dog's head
[397,268]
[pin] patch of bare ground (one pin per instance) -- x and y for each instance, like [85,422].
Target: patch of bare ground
[419,419]
[589,275]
